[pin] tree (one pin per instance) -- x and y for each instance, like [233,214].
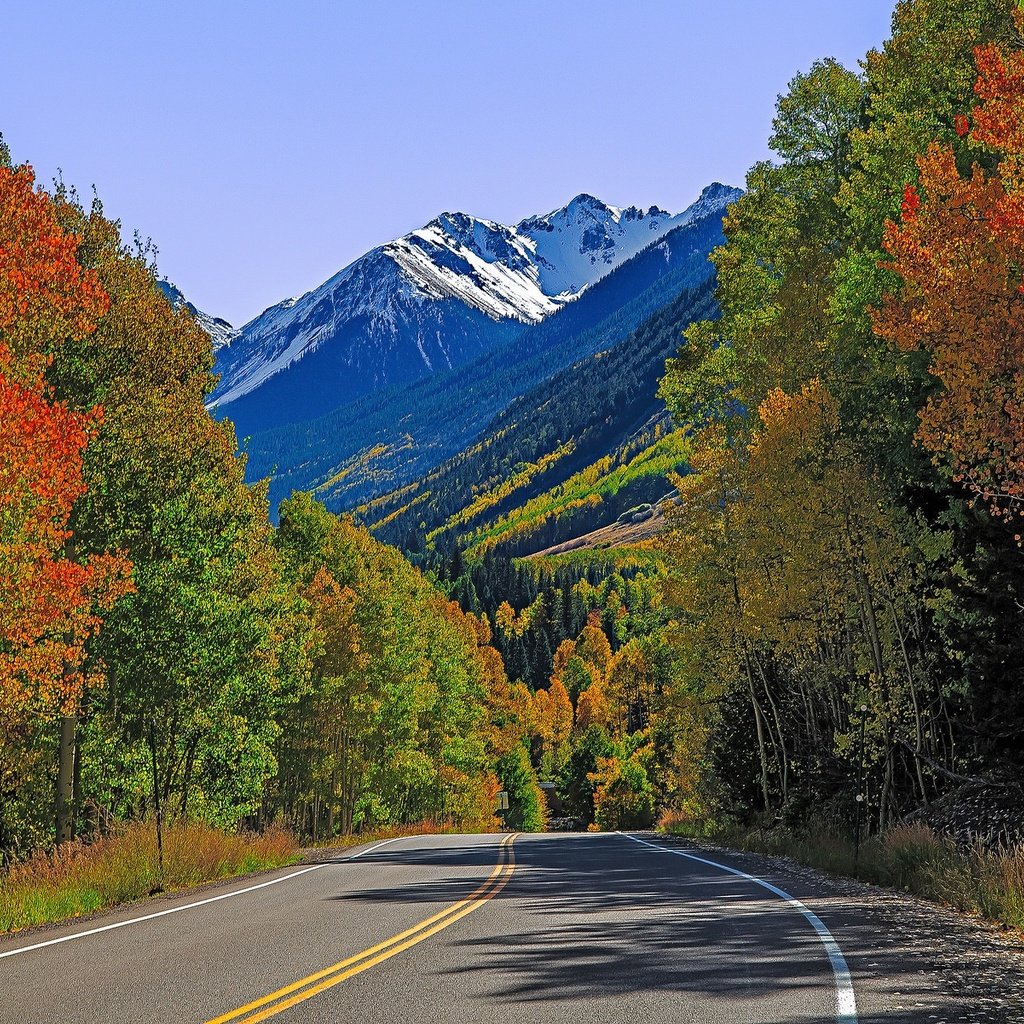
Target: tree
[959,253]
[576,781]
[526,806]
[408,710]
[775,272]
[203,652]
[50,601]
[623,794]
[593,647]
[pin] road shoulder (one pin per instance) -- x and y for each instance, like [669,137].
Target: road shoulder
[977,965]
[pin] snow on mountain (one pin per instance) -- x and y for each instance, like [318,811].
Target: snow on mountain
[486,265]
[439,296]
[712,200]
[581,242]
[220,331]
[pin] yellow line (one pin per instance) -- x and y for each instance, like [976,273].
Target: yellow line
[337,973]
[381,957]
[256,1004]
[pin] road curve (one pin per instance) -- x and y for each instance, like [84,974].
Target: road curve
[591,927]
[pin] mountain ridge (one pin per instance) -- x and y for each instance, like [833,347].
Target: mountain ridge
[220,331]
[383,441]
[434,299]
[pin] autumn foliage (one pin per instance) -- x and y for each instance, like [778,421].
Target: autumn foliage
[847,602]
[50,603]
[45,295]
[959,251]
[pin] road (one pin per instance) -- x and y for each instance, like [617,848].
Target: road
[588,927]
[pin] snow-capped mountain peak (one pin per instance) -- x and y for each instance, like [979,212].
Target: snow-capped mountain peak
[582,241]
[442,293]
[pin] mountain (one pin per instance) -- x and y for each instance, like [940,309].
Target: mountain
[565,457]
[220,331]
[429,302]
[578,244]
[392,438]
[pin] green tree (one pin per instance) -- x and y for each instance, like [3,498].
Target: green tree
[576,783]
[526,806]
[202,652]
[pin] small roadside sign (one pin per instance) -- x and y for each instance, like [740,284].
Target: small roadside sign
[503,801]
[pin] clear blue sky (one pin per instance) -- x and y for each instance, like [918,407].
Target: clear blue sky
[263,145]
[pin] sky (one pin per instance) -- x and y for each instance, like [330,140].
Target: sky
[263,145]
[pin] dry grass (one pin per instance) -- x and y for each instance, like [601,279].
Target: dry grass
[77,879]
[909,857]
[420,828]
[681,823]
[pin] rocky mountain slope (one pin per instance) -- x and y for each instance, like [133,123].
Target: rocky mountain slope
[428,302]
[395,437]
[220,331]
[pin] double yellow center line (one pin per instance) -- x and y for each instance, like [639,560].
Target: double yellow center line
[314,984]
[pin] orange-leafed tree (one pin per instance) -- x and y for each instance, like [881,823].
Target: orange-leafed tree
[592,708]
[45,295]
[50,603]
[959,250]
[563,655]
[592,645]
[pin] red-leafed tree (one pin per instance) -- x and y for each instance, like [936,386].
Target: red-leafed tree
[959,249]
[50,603]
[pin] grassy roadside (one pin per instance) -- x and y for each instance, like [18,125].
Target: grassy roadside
[78,879]
[908,857]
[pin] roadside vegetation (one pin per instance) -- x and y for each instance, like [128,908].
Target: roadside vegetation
[977,880]
[161,643]
[78,878]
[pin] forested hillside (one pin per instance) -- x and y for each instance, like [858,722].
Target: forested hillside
[602,408]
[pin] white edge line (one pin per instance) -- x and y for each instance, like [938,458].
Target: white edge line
[371,849]
[191,906]
[158,913]
[846,1003]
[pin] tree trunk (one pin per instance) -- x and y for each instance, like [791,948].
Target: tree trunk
[66,779]
[778,748]
[759,722]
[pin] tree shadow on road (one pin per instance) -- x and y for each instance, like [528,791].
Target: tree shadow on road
[596,918]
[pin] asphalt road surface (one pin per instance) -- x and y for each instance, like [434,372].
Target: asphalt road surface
[534,928]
